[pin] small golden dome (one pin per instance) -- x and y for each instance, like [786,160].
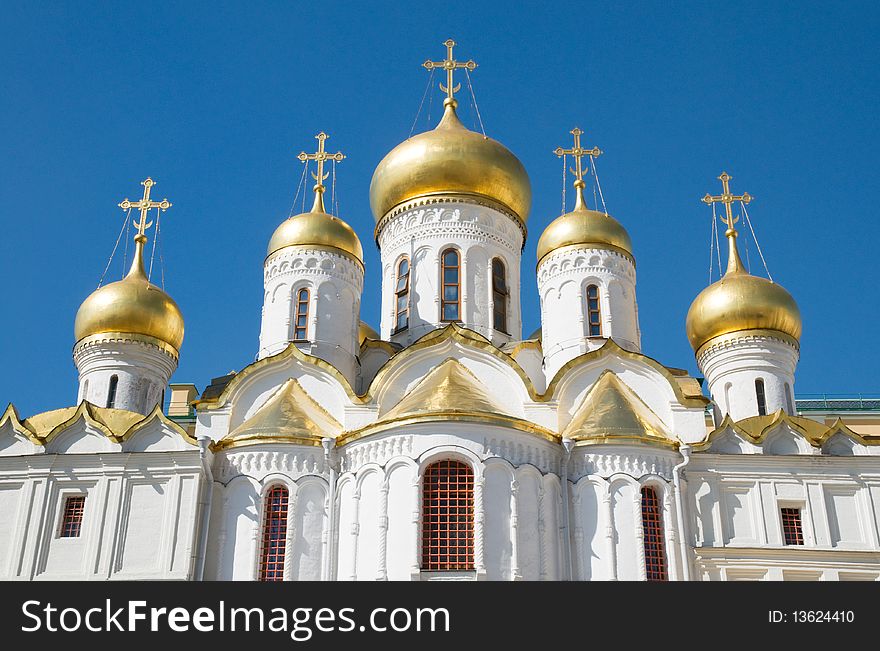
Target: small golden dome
[131,305]
[583,226]
[450,160]
[740,302]
[366,332]
[317,228]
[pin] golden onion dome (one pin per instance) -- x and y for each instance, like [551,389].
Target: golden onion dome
[451,160]
[317,228]
[740,302]
[583,226]
[132,305]
[366,332]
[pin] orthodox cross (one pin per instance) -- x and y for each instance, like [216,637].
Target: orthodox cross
[449,65]
[578,152]
[320,156]
[727,199]
[144,205]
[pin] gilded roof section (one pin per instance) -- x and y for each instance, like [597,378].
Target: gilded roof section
[611,412]
[289,416]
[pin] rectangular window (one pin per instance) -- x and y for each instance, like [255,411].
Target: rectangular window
[71,518]
[593,312]
[792,531]
[449,296]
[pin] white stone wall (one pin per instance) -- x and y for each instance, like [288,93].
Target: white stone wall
[142,371]
[734,503]
[731,367]
[139,519]
[335,283]
[563,278]
[480,234]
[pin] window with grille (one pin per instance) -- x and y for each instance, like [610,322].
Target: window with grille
[401,294]
[761,396]
[594,315]
[274,541]
[111,390]
[71,518]
[499,295]
[652,526]
[450,299]
[301,316]
[448,517]
[792,531]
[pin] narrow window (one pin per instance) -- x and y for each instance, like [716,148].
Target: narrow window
[111,391]
[762,398]
[274,541]
[301,316]
[401,293]
[499,295]
[789,399]
[450,299]
[792,531]
[71,519]
[594,316]
[85,393]
[448,517]
[652,526]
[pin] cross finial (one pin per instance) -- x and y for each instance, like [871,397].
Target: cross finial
[727,199]
[734,263]
[578,152]
[320,156]
[144,205]
[449,64]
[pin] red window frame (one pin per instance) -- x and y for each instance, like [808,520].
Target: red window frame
[401,296]
[455,271]
[652,530]
[594,311]
[273,549]
[448,517]
[792,527]
[499,295]
[301,316]
[72,516]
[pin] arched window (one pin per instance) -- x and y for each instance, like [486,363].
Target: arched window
[274,541]
[448,517]
[401,293]
[761,396]
[301,316]
[594,315]
[111,390]
[85,393]
[499,295]
[652,527]
[450,300]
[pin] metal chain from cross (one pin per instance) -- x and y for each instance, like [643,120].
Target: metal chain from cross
[320,156]
[727,199]
[145,205]
[449,64]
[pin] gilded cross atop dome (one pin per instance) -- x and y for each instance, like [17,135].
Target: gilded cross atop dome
[578,152]
[144,205]
[727,199]
[320,156]
[449,64]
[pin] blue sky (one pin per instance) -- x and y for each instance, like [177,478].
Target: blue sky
[213,100]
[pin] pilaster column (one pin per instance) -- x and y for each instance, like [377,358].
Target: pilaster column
[608,514]
[514,526]
[576,536]
[479,527]
[415,568]
[542,531]
[640,534]
[355,531]
[383,532]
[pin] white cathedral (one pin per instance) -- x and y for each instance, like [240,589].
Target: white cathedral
[445,446]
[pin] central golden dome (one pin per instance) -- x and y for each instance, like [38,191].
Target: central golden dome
[132,305]
[450,160]
[583,226]
[316,228]
[740,302]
